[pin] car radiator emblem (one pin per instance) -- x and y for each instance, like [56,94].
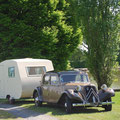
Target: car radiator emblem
[92,96]
[94,101]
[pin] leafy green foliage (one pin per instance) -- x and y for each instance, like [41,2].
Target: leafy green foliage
[78,59]
[99,20]
[118,59]
[73,14]
[36,29]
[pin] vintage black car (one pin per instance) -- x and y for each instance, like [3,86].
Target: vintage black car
[70,89]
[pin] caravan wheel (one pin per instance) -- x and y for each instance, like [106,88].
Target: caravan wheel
[11,101]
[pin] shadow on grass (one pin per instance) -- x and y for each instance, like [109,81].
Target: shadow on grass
[6,115]
[57,110]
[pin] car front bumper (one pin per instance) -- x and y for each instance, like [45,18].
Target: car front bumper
[92,104]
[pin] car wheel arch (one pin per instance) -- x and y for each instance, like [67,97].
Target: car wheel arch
[34,92]
[62,98]
[104,95]
[38,90]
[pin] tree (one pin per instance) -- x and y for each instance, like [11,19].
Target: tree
[14,33]
[118,56]
[78,59]
[99,20]
[37,29]
[73,14]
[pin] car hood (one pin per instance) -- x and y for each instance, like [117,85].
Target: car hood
[74,85]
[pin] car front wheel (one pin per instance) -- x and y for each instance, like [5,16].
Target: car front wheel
[68,105]
[108,107]
[37,101]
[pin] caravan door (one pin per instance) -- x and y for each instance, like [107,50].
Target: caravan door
[2,82]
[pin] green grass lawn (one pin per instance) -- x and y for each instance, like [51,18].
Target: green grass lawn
[90,113]
[5,115]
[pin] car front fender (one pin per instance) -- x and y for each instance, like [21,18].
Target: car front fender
[106,94]
[68,93]
[72,95]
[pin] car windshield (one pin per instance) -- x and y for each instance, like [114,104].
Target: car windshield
[74,78]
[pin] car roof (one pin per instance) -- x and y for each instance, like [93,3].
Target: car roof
[66,72]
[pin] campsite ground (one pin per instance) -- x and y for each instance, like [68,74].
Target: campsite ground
[8,116]
[78,114]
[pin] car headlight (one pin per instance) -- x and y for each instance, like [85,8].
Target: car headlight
[111,90]
[79,88]
[71,91]
[104,87]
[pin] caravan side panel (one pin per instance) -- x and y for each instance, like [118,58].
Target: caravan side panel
[13,83]
[29,83]
[2,82]
[14,79]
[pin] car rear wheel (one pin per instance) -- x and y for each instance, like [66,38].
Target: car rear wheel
[36,100]
[68,105]
[108,107]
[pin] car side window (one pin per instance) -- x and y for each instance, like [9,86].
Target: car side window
[46,79]
[54,80]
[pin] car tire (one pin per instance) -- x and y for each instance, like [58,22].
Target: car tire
[108,107]
[68,105]
[36,100]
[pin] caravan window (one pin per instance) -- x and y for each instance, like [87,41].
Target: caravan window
[11,72]
[35,71]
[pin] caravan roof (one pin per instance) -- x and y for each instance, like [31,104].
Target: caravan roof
[26,60]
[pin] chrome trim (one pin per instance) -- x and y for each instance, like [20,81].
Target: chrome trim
[81,104]
[90,104]
[92,91]
[107,103]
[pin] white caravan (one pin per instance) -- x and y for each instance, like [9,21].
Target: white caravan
[19,77]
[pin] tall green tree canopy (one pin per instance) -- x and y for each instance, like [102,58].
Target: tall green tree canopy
[74,13]
[100,29]
[37,29]
[78,59]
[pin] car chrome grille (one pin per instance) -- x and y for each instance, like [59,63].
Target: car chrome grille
[91,94]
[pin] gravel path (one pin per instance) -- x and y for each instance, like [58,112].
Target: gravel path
[25,113]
